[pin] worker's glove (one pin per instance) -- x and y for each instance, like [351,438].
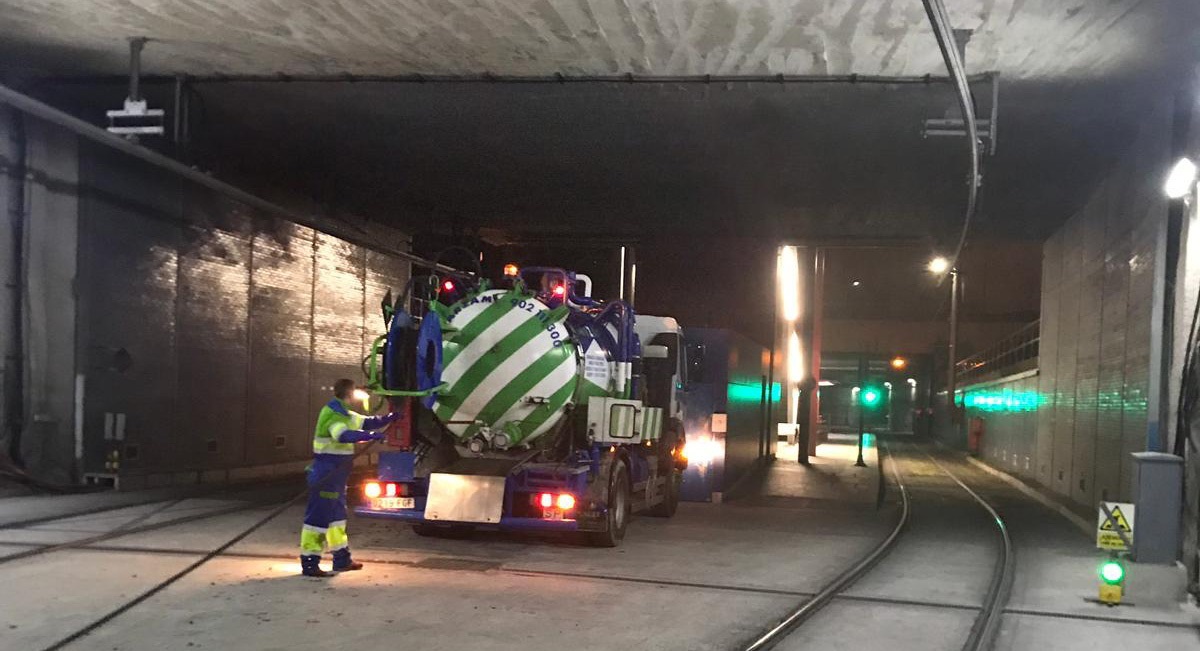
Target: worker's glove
[358,436]
[376,422]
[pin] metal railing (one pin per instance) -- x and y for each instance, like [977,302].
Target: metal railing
[1012,354]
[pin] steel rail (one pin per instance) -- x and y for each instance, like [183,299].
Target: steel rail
[166,583]
[826,594]
[120,532]
[987,622]
[42,519]
[214,491]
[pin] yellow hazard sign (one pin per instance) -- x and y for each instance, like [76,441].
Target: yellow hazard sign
[1114,526]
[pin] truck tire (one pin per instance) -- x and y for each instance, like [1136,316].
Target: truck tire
[672,437]
[452,532]
[670,503]
[619,510]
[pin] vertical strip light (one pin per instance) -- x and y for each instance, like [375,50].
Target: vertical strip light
[789,283]
[621,293]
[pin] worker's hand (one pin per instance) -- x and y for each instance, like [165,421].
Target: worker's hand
[392,417]
[379,422]
[376,436]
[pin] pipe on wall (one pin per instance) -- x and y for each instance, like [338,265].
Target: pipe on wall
[17,178]
[534,79]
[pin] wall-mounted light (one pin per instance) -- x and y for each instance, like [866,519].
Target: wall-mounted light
[1181,179]
[789,282]
[939,265]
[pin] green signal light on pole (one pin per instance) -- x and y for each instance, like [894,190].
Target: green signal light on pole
[870,397]
[1112,572]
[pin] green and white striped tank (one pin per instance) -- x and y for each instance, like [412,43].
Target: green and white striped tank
[509,364]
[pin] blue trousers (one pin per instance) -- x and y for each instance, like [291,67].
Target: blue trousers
[325,515]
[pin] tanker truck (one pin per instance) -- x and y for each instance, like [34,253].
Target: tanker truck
[528,405]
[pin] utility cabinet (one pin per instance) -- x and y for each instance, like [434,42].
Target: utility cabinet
[1157,494]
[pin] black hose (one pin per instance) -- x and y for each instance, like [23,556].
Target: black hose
[159,587]
[1186,400]
[938,20]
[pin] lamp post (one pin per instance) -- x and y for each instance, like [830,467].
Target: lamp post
[941,265]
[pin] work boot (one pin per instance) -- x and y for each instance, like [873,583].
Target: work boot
[310,566]
[343,563]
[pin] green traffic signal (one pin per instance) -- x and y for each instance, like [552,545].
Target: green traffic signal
[1112,572]
[870,397]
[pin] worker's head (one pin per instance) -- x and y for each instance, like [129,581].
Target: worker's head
[343,388]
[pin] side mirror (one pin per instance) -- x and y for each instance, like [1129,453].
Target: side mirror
[654,351]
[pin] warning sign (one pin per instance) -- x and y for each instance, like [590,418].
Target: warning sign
[1114,526]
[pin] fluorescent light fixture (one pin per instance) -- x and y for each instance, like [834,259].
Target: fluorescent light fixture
[826,383]
[789,282]
[1180,180]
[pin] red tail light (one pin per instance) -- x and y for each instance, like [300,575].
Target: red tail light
[372,489]
[566,501]
[547,500]
[390,490]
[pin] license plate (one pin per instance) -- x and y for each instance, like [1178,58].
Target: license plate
[383,503]
[552,514]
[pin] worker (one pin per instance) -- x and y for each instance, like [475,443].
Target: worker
[338,429]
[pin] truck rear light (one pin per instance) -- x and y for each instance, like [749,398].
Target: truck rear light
[546,500]
[372,489]
[566,501]
[390,490]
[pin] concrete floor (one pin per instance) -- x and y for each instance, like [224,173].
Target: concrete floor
[710,578]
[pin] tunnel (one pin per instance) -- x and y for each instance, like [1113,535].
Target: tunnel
[726,324]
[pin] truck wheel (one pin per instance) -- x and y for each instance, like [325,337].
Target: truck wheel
[667,465]
[670,503]
[618,508]
[453,532]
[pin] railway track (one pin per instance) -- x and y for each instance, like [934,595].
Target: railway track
[129,527]
[986,623]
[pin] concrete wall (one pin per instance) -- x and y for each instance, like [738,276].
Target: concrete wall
[1097,353]
[1071,425]
[1008,410]
[198,336]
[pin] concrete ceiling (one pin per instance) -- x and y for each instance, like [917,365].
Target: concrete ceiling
[1023,39]
[794,160]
